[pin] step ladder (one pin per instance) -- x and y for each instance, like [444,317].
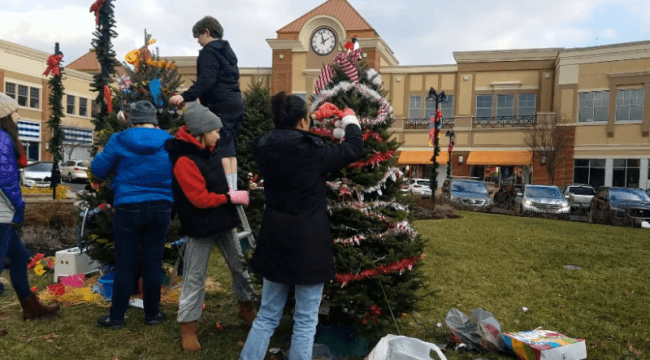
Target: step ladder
[246,234]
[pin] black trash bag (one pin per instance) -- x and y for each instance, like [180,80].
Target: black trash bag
[481,332]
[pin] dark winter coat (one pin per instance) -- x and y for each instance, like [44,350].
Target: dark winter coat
[143,172]
[199,180]
[295,244]
[217,81]
[10,195]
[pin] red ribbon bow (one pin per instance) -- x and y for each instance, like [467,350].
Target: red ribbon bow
[107,97]
[96,6]
[53,65]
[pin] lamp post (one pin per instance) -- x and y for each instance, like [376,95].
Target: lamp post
[55,125]
[438,98]
[450,133]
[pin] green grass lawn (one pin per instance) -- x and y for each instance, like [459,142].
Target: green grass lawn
[496,262]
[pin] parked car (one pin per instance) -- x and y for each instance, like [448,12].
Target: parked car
[541,199]
[469,193]
[579,196]
[72,170]
[37,174]
[420,187]
[620,204]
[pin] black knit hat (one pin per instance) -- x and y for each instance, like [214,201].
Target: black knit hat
[143,112]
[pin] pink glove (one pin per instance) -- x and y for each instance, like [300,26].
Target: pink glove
[238,197]
[326,110]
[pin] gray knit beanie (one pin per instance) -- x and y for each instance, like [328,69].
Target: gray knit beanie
[143,112]
[7,105]
[200,120]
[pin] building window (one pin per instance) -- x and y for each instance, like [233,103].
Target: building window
[527,105]
[22,95]
[70,107]
[83,107]
[629,105]
[34,98]
[505,106]
[447,108]
[484,106]
[94,107]
[594,106]
[10,90]
[626,173]
[29,134]
[590,172]
[415,108]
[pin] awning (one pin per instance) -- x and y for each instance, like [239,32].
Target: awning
[422,158]
[500,158]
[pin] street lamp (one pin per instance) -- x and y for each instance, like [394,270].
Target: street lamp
[450,133]
[438,98]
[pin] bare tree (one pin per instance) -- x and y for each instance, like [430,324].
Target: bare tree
[549,139]
[69,147]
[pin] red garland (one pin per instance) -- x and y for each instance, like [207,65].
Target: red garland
[372,135]
[373,160]
[53,65]
[402,265]
[95,7]
[322,132]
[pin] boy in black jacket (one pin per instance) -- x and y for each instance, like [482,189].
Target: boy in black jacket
[217,87]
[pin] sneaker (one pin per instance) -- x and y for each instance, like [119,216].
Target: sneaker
[156,319]
[106,322]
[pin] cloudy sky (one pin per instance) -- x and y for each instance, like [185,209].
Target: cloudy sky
[420,32]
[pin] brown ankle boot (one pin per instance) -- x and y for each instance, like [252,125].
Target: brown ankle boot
[34,310]
[189,341]
[247,312]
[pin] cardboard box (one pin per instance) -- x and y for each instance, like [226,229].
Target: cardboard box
[545,345]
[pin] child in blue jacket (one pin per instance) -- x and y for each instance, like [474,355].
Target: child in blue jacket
[143,204]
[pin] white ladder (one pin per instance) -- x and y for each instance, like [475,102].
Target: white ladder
[247,233]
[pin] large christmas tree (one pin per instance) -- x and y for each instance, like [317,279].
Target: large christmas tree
[149,78]
[377,252]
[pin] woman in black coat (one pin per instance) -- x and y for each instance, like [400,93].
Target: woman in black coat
[295,245]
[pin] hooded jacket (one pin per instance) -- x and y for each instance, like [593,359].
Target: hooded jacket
[295,244]
[200,188]
[217,81]
[143,171]
[10,194]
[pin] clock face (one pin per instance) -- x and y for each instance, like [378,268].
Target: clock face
[323,41]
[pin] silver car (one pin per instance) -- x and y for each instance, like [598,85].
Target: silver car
[37,174]
[541,199]
[420,187]
[579,196]
[74,170]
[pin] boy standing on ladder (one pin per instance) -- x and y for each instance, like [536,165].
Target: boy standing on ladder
[217,87]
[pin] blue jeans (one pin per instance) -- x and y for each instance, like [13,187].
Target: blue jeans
[12,247]
[274,296]
[140,228]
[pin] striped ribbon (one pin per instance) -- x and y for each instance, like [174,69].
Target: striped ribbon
[346,61]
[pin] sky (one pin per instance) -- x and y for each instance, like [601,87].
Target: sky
[419,32]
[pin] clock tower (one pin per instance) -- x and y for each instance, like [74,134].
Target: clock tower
[303,46]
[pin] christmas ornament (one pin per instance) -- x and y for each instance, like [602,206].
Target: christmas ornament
[384,107]
[353,44]
[155,88]
[132,57]
[107,97]
[53,65]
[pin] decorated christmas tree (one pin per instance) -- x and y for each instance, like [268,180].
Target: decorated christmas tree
[258,120]
[377,251]
[151,79]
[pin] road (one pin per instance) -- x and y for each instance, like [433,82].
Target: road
[76,186]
